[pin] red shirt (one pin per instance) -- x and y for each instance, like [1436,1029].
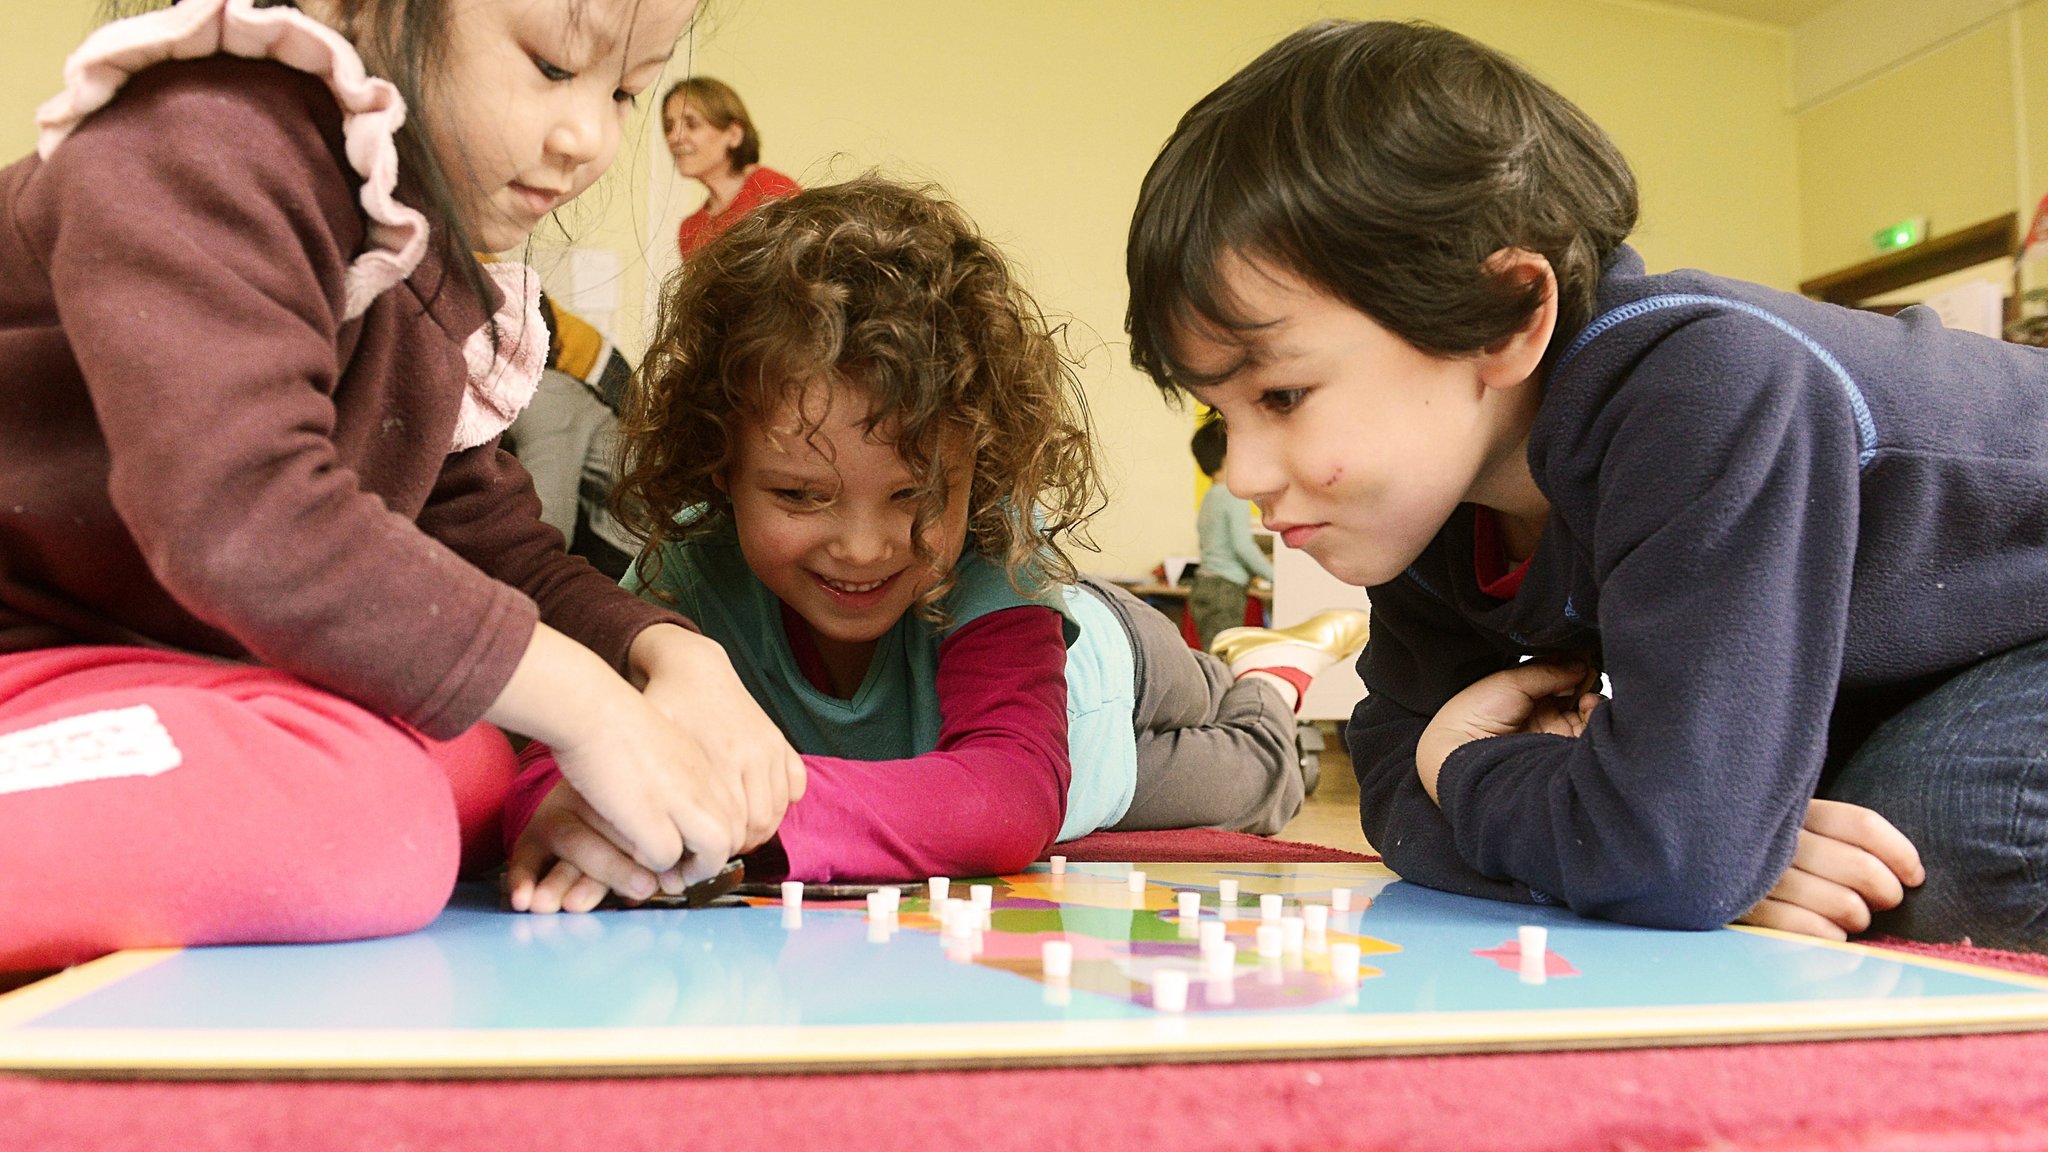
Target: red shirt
[762,184]
[1490,557]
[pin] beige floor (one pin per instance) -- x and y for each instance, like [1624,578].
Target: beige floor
[1330,817]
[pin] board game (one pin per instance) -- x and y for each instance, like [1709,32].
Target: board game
[1302,960]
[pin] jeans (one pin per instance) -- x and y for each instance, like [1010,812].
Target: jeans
[1963,772]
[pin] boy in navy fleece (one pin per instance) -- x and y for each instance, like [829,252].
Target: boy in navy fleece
[1808,545]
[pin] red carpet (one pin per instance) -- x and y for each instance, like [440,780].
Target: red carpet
[1944,1094]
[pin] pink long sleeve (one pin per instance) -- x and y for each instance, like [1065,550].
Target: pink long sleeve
[986,801]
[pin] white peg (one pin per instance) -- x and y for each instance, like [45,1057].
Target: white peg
[792,894]
[938,886]
[1059,865]
[1269,940]
[1057,958]
[1136,880]
[1269,906]
[1344,961]
[1170,990]
[1190,904]
[1292,929]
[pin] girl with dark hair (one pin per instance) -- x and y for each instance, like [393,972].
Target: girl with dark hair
[715,143]
[266,581]
[853,452]
[1805,544]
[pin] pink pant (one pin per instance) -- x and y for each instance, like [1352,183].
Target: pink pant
[290,814]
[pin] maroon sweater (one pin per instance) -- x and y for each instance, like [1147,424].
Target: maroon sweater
[196,452]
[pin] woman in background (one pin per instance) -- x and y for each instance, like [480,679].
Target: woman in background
[715,143]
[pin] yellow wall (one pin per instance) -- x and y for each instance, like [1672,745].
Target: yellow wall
[1933,137]
[39,34]
[1041,119]
[2032,36]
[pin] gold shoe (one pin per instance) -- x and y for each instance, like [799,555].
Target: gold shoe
[1338,632]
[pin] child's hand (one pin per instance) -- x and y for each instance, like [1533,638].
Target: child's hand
[1539,696]
[566,860]
[662,803]
[1850,863]
[691,680]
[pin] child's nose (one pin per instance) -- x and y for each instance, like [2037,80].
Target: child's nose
[1252,473]
[579,132]
[867,539]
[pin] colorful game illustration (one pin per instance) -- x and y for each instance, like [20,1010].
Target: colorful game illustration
[1095,963]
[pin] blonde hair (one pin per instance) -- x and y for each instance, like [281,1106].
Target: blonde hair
[891,291]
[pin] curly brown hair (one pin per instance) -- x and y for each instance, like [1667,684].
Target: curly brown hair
[892,291]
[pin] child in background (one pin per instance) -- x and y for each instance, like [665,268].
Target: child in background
[1805,543]
[857,445]
[1230,557]
[263,569]
[567,438]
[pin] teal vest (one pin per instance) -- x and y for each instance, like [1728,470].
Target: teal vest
[894,715]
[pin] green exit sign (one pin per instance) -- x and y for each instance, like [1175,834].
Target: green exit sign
[1904,234]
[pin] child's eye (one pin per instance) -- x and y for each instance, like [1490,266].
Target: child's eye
[552,72]
[902,494]
[804,496]
[1282,399]
[629,99]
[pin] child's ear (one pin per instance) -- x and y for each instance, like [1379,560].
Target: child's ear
[1515,357]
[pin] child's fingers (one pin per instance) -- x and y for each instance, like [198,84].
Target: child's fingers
[1864,828]
[1541,679]
[524,865]
[1849,866]
[1505,701]
[1787,917]
[584,895]
[599,857]
[1841,904]
[519,882]
[553,887]
[767,798]
[799,776]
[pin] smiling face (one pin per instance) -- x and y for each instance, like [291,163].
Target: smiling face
[1355,445]
[531,105]
[824,520]
[700,148]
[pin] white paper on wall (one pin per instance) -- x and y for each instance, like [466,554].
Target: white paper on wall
[1972,306]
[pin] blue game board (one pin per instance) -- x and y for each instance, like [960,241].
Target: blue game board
[719,989]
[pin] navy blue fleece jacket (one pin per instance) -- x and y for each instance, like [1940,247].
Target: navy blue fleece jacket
[1773,522]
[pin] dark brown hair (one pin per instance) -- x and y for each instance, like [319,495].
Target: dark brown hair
[891,291]
[717,102]
[1382,163]
[1210,444]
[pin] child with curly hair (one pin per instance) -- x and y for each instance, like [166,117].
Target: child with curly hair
[853,448]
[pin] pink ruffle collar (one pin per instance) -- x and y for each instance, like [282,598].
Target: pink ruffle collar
[502,376]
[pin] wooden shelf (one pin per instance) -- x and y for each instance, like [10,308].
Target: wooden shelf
[1924,261]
